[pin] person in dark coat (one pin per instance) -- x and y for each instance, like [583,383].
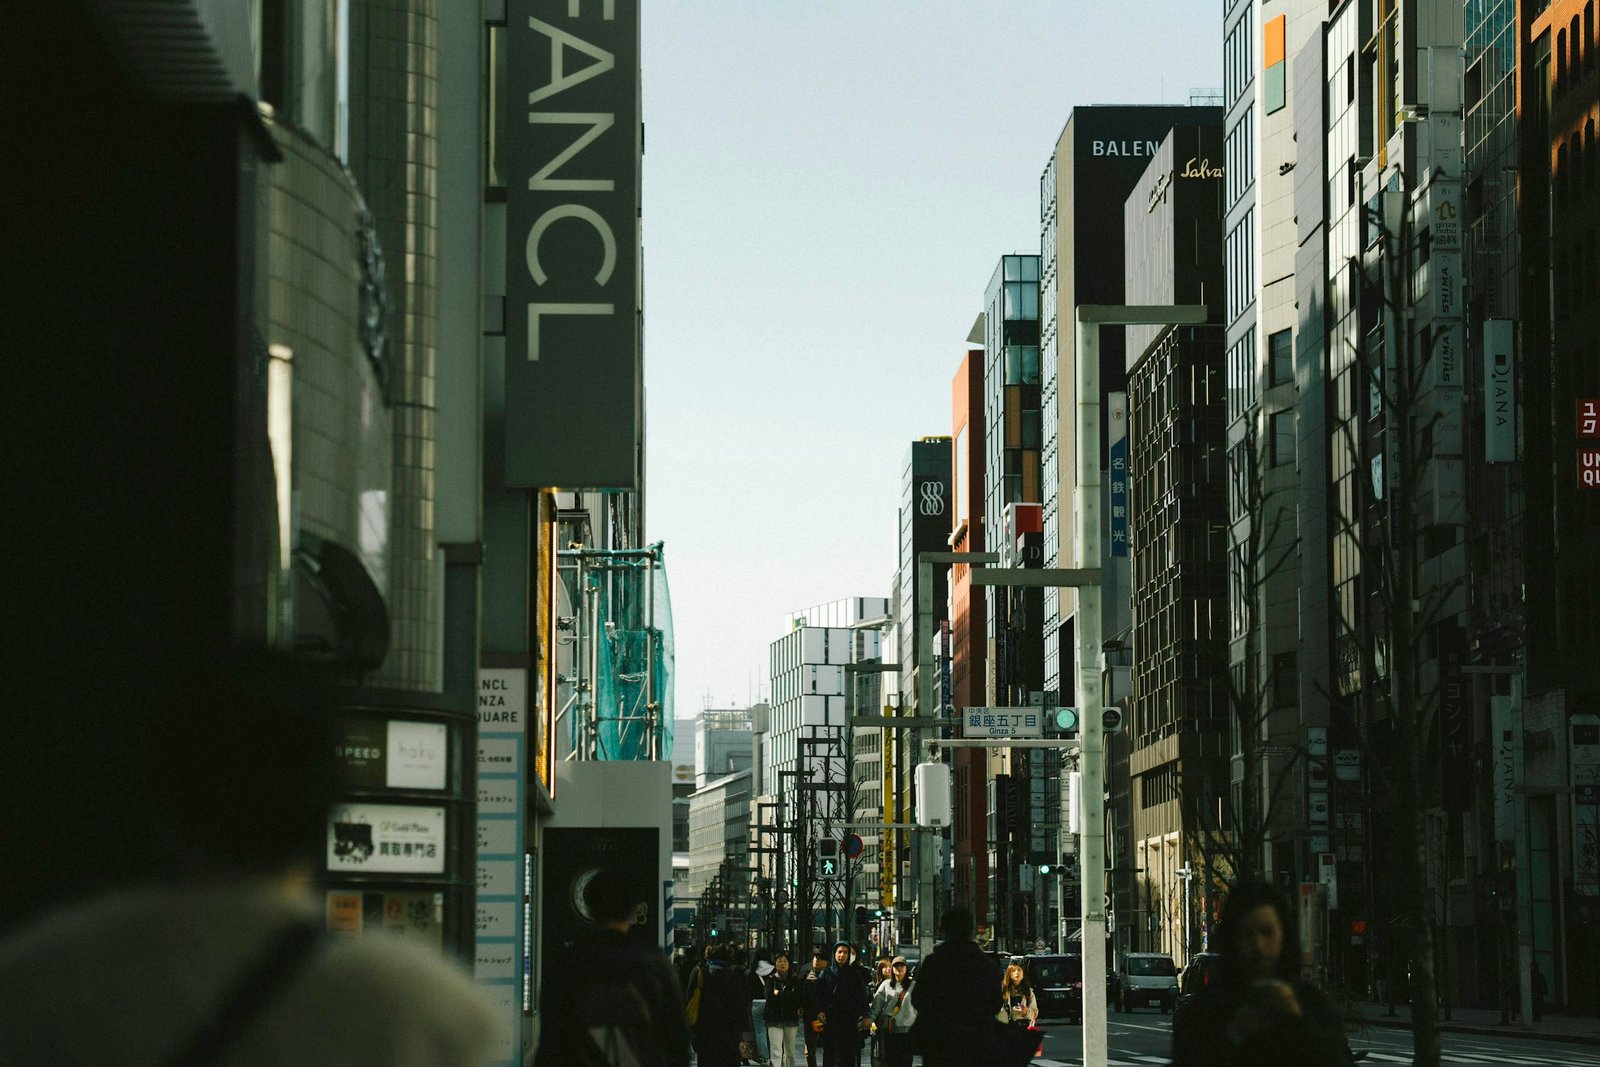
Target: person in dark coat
[615,984]
[957,994]
[724,1018]
[1258,1010]
[808,1004]
[785,1003]
[841,1004]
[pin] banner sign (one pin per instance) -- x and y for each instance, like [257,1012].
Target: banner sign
[1455,728]
[1505,740]
[501,830]
[573,142]
[1117,430]
[1585,752]
[1499,393]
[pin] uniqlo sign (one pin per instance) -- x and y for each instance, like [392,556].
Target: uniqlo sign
[1589,418]
[1589,458]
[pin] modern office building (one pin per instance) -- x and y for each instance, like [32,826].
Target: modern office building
[724,742]
[1093,166]
[968,651]
[1173,514]
[719,836]
[807,751]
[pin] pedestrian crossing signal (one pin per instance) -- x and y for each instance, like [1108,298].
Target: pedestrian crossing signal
[828,860]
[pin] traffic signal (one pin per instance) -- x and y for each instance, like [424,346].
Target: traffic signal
[829,866]
[1111,720]
[1065,720]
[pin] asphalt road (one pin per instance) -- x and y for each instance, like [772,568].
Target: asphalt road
[1139,1039]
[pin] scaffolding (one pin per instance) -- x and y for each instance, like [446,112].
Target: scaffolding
[615,668]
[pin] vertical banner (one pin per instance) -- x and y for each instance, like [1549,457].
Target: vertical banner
[1585,752]
[1117,435]
[1506,742]
[1499,393]
[1455,729]
[573,142]
[501,834]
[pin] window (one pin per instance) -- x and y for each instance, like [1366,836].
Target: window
[1282,438]
[1280,349]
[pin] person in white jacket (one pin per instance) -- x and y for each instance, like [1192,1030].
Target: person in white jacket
[893,1015]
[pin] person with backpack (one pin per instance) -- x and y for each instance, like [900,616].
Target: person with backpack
[813,1029]
[957,994]
[893,1015]
[785,997]
[724,1021]
[615,1000]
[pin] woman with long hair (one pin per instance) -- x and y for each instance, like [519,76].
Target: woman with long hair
[1258,1010]
[1019,1010]
[892,1015]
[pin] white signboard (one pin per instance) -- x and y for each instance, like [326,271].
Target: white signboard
[1499,393]
[386,838]
[417,755]
[1003,722]
[503,714]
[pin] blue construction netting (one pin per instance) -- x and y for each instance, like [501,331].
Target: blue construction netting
[633,690]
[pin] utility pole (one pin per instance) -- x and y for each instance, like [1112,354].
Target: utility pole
[1086,553]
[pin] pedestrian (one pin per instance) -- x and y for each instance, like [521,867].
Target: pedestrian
[761,966]
[841,1006]
[1258,1010]
[785,1005]
[893,1015]
[228,961]
[1019,1010]
[957,993]
[613,1000]
[819,964]
[724,1022]
[1541,990]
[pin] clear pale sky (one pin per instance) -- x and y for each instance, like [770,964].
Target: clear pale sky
[828,185]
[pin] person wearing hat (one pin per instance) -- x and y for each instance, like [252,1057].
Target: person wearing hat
[892,1015]
[841,1006]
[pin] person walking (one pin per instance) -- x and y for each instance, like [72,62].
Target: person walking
[761,966]
[614,999]
[724,1018]
[1019,1010]
[1258,1010]
[841,1006]
[785,997]
[957,993]
[893,1015]
[813,1030]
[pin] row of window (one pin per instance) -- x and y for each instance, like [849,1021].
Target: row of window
[1241,257]
[1571,60]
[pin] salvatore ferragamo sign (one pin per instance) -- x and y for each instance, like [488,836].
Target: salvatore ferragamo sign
[1194,168]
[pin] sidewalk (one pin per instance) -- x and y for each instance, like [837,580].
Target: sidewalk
[1578,1029]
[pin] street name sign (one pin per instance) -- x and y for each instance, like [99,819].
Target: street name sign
[1002,722]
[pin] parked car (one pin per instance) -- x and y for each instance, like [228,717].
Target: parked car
[1146,978]
[1057,982]
[1200,971]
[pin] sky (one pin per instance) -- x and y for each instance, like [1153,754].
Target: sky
[828,185]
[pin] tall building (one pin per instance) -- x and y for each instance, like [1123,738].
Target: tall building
[927,501]
[1096,161]
[807,749]
[1173,511]
[968,631]
[724,742]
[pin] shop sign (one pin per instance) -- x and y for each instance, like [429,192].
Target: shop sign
[416,754]
[386,839]
[1499,393]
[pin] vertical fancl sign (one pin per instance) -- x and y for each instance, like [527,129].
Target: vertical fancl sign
[573,144]
[1499,393]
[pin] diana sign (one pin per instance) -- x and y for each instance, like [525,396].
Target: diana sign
[572,271]
[1499,393]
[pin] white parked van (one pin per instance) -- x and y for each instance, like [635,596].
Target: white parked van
[1146,978]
